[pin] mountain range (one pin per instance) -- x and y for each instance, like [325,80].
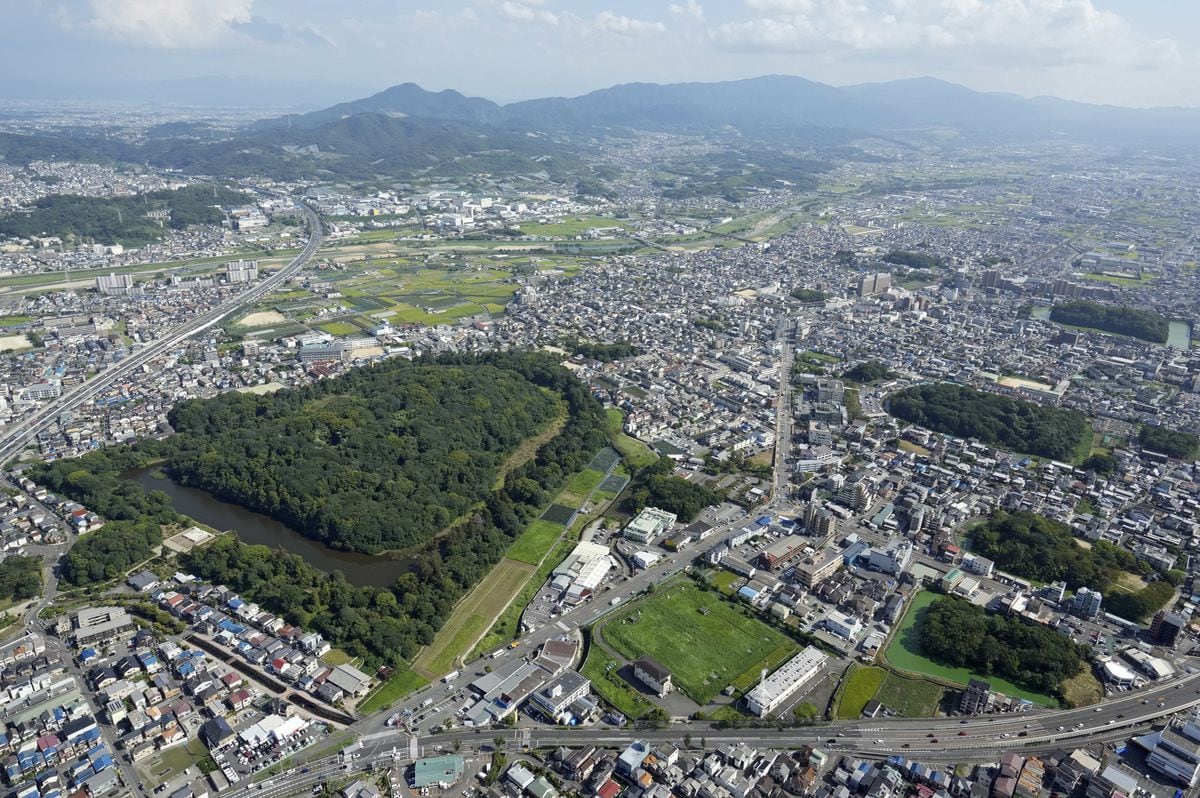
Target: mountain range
[776,106]
[406,131]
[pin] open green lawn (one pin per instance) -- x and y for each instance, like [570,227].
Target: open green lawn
[904,653]
[912,698]
[678,624]
[585,481]
[338,328]
[572,226]
[859,686]
[403,682]
[602,669]
[534,542]
[724,580]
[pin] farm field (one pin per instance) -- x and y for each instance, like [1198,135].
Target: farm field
[535,541]
[677,624]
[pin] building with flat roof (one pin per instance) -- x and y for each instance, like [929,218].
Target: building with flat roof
[555,699]
[98,624]
[814,569]
[781,551]
[773,691]
[437,770]
[650,524]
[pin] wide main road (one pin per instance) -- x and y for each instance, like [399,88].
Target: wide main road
[21,433]
[932,740]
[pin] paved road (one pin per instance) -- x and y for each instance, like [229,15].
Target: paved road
[21,433]
[981,738]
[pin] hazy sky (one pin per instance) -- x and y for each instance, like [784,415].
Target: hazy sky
[1126,52]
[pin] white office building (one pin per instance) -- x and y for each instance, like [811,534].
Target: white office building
[781,685]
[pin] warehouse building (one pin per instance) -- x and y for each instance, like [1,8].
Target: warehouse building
[773,691]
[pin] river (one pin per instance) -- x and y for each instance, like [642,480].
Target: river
[252,527]
[1179,335]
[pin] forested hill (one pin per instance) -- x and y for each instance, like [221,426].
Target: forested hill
[378,453]
[381,458]
[112,220]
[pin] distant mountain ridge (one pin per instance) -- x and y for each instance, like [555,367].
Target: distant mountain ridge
[770,106]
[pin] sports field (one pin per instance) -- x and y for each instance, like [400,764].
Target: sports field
[904,653]
[678,624]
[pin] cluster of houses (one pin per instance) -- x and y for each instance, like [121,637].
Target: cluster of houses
[51,744]
[279,649]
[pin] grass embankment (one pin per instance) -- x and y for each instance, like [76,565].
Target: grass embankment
[904,653]
[471,618]
[635,453]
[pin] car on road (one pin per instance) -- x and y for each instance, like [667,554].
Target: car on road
[962,734]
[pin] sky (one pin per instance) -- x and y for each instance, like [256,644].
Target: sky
[1123,52]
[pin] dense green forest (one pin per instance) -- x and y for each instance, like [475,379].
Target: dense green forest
[386,624]
[1141,324]
[605,353]
[111,220]
[809,295]
[915,260]
[957,633]
[869,371]
[1102,463]
[110,551]
[1180,445]
[1137,606]
[94,480]
[657,486]
[1042,549]
[382,457]
[993,419]
[20,578]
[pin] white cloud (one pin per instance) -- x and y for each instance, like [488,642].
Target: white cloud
[609,22]
[691,9]
[528,11]
[1025,32]
[169,23]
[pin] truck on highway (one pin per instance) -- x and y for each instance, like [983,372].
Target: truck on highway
[449,677]
[428,702]
[615,601]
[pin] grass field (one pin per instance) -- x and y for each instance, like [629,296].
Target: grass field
[636,453]
[912,698]
[670,626]
[471,618]
[534,542]
[338,328]
[860,685]
[602,669]
[904,653]
[724,580]
[569,227]
[507,625]
[1083,689]
[403,682]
